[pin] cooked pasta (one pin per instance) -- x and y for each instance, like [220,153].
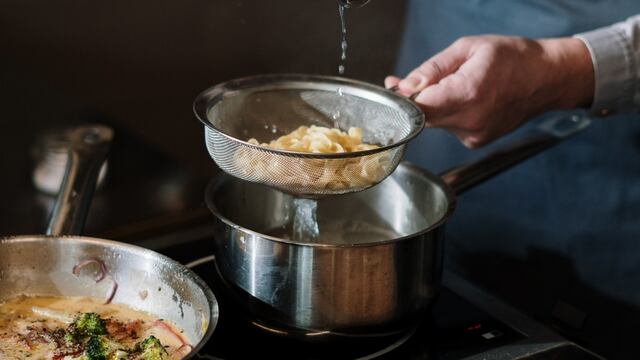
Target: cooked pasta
[319,139]
[301,175]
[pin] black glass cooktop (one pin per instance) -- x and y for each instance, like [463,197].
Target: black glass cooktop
[452,329]
[464,323]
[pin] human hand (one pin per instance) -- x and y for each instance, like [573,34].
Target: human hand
[483,87]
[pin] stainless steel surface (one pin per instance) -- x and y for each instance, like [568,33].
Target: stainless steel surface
[377,261]
[50,154]
[336,285]
[148,281]
[87,151]
[268,106]
[143,279]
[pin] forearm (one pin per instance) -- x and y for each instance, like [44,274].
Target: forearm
[615,53]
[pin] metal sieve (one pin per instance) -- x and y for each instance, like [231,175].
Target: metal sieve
[266,107]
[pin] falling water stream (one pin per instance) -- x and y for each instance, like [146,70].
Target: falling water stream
[342,8]
[305,222]
[343,5]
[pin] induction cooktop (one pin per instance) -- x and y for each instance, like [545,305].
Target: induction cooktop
[464,323]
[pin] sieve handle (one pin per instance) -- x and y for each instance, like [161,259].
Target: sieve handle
[544,136]
[411,97]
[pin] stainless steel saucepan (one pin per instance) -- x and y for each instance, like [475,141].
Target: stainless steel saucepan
[133,276]
[377,263]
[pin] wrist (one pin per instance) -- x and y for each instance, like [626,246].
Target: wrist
[570,73]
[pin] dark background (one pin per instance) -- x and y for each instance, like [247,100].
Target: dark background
[137,66]
[141,63]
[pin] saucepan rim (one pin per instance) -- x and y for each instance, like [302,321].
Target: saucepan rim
[448,192]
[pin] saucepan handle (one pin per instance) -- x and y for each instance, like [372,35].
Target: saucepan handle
[88,148]
[547,134]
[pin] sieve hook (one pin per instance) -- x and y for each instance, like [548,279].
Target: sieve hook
[411,97]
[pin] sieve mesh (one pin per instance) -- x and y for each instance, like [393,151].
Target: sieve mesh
[268,107]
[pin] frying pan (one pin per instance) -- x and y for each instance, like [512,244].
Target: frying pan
[142,279]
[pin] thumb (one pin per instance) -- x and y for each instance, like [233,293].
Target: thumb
[436,68]
[391,81]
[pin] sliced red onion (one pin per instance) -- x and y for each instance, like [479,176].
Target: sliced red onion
[104,273]
[99,276]
[112,290]
[161,324]
[184,350]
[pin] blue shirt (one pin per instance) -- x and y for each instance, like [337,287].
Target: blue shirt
[561,230]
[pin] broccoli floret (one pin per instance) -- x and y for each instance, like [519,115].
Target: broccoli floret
[97,348]
[88,324]
[151,349]
[68,338]
[101,348]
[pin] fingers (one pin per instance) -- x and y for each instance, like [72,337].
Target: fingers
[452,105]
[449,93]
[438,100]
[476,89]
[437,68]
[441,100]
[445,98]
[391,81]
[470,139]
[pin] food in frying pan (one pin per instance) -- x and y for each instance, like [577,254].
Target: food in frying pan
[336,173]
[82,328]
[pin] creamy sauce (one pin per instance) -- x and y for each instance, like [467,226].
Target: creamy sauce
[30,328]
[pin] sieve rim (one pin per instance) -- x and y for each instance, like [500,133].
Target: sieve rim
[214,94]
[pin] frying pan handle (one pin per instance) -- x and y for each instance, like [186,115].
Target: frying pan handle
[547,134]
[88,148]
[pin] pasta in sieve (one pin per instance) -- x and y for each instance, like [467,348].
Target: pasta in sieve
[318,139]
[301,174]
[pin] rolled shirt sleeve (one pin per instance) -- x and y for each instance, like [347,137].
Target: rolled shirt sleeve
[615,52]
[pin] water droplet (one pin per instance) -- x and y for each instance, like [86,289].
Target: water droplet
[344,50]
